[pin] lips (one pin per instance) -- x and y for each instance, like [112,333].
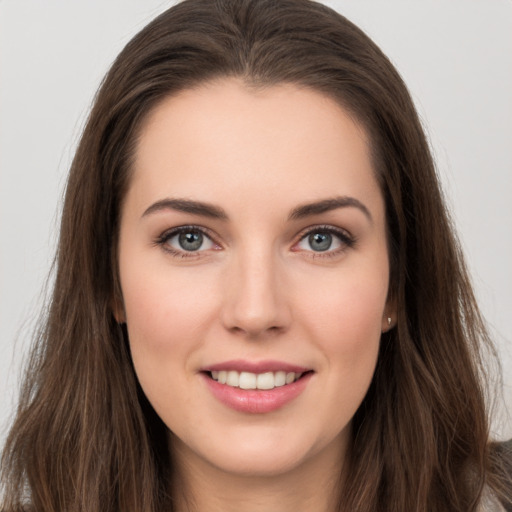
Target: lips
[260,387]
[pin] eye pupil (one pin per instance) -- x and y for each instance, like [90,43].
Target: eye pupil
[320,241]
[191,240]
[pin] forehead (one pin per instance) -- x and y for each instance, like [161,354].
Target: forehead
[282,142]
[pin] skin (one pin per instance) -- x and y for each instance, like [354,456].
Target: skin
[258,290]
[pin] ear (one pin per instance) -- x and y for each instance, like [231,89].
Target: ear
[389,317]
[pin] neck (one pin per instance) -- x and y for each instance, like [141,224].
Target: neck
[313,485]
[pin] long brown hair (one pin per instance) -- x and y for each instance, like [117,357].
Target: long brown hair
[86,439]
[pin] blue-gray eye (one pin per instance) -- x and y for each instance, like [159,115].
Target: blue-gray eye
[320,241]
[189,240]
[323,240]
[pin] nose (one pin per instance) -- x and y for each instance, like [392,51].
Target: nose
[255,302]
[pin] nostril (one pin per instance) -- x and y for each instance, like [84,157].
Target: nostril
[255,331]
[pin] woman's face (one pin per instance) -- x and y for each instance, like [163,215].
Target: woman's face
[254,273]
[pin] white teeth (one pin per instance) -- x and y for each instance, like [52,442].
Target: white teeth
[233,379]
[248,380]
[279,379]
[265,381]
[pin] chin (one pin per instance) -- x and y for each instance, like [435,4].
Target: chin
[256,455]
[263,465]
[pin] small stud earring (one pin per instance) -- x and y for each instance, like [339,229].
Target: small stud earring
[389,321]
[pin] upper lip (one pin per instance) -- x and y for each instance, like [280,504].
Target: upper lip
[241,365]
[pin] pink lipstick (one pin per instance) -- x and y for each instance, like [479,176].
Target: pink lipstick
[256,387]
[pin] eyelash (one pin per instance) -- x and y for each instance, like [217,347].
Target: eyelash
[347,240]
[164,238]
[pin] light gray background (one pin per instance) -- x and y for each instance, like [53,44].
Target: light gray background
[456,57]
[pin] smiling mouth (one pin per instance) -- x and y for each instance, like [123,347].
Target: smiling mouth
[261,381]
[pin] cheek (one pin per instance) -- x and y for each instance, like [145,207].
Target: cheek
[358,304]
[164,310]
[345,318]
[164,316]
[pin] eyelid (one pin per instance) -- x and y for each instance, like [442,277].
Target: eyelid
[345,237]
[166,235]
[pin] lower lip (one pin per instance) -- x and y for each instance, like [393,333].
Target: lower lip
[256,401]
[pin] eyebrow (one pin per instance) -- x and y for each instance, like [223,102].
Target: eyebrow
[188,206]
[327,205]
[215,212]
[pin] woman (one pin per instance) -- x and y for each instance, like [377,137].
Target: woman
[253,308]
